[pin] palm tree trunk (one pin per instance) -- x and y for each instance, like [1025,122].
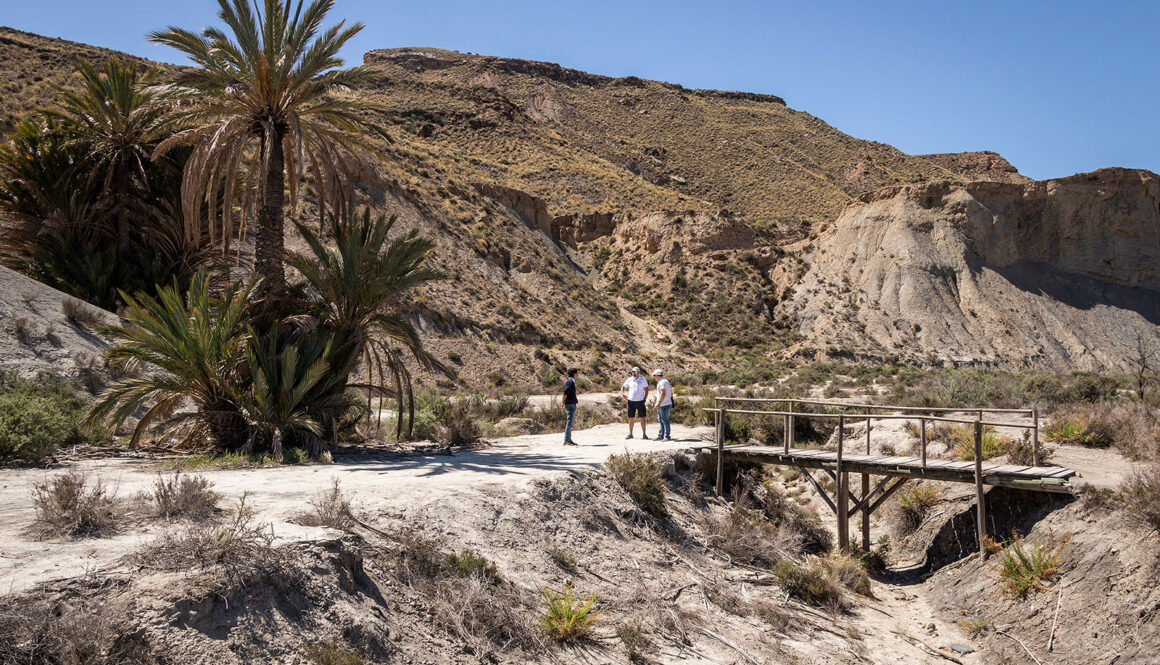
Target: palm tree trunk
[269,240]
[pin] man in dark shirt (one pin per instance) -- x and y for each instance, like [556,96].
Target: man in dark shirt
[570,403]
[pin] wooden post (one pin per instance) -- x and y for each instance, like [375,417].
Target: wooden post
[720,452]
[789,432]
[980,499]
[865,493]
[922,426]
[785,425]
[843,493]
[1035,437]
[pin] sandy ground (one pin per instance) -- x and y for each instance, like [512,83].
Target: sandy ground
[383,484]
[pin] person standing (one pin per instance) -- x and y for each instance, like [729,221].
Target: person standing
[664,405]
[570,403]
[635,391]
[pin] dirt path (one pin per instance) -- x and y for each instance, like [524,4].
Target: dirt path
[385,484]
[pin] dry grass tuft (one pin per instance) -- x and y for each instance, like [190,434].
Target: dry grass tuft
[73,504]
[962,439]
[37,630]
[811,583]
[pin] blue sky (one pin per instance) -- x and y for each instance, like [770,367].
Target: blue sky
[1056,87]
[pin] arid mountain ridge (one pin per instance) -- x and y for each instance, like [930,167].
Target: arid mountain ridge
[597,221]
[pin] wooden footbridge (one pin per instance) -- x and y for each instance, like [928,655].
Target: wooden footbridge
[894,471]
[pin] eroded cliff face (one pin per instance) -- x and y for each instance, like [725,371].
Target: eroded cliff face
[1056,274]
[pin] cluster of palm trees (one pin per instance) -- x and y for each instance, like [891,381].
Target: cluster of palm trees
[176,173]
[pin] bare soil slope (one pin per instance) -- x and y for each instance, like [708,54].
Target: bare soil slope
[1060,274]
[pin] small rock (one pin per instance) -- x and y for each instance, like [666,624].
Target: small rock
[961,649]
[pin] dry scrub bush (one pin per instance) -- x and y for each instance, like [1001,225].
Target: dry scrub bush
[73,504]
[329,508]
[467,597]
[1140,493]
[1022,452]
[80,314]
[568,616]
[1022,567]
[1132,427]
[238,545]
[562,557]
[640,475]
[180,495]
[746,536]
[638,646]
[42,631]
[913,505]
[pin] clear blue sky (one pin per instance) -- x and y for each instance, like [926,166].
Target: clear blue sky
[1056,87]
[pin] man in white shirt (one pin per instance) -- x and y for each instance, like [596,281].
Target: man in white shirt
[664,405]
[635,391]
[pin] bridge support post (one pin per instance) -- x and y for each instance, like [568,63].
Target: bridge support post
[1035,437]
[720,452]
[866,493]
[980,499]
[843,492]
[922,426]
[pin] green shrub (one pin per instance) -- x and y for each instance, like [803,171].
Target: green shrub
[810,583]
[914,504]
[568,616]
[1077,431]
[470,563]
[850,571]
[640,476]
[37,417]
[331,652]
[1022,567]
[459,428]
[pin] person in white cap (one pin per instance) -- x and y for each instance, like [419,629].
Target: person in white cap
[635,391]
[664,405]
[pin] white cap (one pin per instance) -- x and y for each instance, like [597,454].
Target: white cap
[636,370]
[658,372]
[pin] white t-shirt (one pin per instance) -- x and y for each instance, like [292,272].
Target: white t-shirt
[664,385]
[636,388]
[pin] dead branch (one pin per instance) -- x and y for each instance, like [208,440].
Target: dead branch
[1029,654]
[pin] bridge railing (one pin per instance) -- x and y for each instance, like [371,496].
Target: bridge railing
[861,411]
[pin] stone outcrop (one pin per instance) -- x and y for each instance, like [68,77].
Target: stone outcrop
[1055,274]
[982,165]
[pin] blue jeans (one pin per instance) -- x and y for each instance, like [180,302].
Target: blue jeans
[663,419]
[571,410]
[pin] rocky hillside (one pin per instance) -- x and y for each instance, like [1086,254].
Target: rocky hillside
[1055,274]
[602,222]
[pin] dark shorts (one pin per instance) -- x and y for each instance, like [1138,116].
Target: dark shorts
[636,409]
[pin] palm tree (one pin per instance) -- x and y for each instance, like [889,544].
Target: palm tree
[264,104]
[195,342]
[112,122]
[357,286]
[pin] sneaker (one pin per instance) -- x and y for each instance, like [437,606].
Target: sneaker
[628,437]
[668,438]
[569,443]
[644,436]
